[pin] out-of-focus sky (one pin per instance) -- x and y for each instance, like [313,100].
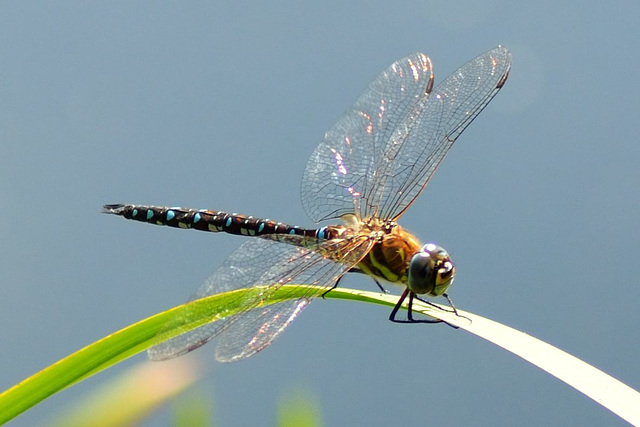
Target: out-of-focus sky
[219,104]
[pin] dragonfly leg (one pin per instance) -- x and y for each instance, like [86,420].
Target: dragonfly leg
[392,316]
[412,295]
[335,285]
[436,306]
[451,304]
[453,308]
[357,270]
[439,308]
[384,291]
[410,318]
[354,270]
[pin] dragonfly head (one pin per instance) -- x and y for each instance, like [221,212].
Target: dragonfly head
[431,271]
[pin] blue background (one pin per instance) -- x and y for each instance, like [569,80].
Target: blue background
[219,104]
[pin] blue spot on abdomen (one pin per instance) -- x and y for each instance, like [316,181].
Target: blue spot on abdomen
[321,234]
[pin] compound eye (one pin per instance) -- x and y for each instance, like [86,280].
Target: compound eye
[421,273]
[430,271]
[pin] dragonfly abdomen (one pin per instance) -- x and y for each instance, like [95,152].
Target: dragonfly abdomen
[207,220]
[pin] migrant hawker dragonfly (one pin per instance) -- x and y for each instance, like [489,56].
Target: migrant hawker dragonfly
[367,171]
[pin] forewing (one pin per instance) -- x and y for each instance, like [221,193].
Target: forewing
[342,171]
[377,168]
[422,140]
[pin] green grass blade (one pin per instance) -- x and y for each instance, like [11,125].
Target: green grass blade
[607,391]
[128,342]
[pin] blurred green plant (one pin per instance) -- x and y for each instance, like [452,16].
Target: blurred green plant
[131,396]
[194,409]
[298,408]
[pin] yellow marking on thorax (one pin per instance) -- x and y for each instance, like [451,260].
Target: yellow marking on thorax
[386,272]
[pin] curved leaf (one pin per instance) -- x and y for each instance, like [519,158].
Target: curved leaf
[609,392]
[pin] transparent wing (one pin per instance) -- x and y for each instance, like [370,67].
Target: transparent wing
[234,273]
[342,169]
[267,264]
[381,154]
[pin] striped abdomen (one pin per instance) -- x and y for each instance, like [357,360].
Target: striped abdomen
[213,221]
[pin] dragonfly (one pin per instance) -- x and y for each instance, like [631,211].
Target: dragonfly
[366,172]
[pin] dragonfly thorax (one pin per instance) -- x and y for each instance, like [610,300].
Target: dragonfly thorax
[390,256]
[431,271]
